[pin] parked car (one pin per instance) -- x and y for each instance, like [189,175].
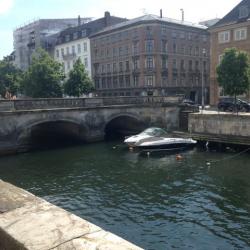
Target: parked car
[228,104]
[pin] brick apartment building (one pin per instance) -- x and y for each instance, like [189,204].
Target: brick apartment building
[233,30]
[151,55]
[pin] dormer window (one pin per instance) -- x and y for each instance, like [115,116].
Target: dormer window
[243,12]
[84,33]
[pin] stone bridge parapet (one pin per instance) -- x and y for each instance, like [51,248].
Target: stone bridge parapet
[52,103]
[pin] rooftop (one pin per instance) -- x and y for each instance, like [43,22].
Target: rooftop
[151,17]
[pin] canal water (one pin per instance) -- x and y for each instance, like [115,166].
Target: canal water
[201,201]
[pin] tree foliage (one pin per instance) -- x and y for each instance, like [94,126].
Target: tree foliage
[44,76]
[10,78]
[233,72]
[79,82]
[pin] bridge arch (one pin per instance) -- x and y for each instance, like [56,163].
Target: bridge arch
[122,124]
[50,131]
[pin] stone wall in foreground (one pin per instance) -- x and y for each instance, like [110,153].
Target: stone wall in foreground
[28,222]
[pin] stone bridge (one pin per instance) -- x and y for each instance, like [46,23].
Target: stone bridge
[24,123]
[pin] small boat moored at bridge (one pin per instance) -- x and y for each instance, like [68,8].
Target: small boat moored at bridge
[157,138]
[165,143]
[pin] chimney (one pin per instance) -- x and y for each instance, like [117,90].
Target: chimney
[182,15]
[160,13]
[107,18]
[79,20]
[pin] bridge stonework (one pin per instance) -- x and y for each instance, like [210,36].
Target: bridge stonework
[91,121]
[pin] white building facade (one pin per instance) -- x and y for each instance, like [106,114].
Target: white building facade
[67,53]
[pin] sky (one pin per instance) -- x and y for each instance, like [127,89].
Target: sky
[15,13]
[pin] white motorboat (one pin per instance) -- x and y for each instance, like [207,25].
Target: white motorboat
[146,134]
[165,143]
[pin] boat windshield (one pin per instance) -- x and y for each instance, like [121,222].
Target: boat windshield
[154,132]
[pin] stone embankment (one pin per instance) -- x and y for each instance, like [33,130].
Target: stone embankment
[220,127]
[28,222]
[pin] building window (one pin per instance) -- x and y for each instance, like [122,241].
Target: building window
[127,80]
[73,49]
[182,50]
[97,83]
[62,51]
[103,68]
[149,31]
[164,46]
[149,62]
[224,36]
[174,64]
[120,51]
[182,35]
[149,80]
[190,50]
[67,38]
[127,65]
[114,67]
[135,47]
[182,64]
[115,81]
[67,50]
[57,53]
[108,68]
[204,38]
[197,51]
[136,63]
[243,11]
[75,35]
[83,33]
[174,48]
[79,48]
[68,65]
[196,65]
[120,66]
[164,81]
[126,50]
[136,81]
[174,34]
[86,62]
[104,83]
[240,34]
[220,58]
[121,81]
[190,65]
[84,47]
[114,51]
[163,30]
[164,62]
[149,45]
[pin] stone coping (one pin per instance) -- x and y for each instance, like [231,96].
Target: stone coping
[31,223]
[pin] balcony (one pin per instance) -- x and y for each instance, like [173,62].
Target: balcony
[164,71]
[69,56]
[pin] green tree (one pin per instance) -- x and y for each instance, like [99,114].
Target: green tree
[233,72]
[44,76]
[10,78]
[79,82]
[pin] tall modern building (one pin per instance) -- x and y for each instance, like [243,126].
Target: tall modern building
[74,43]
[40,33]
[151,55]
[233,30]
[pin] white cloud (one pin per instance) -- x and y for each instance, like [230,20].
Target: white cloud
[5,6]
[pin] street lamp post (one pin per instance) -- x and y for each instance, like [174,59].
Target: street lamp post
[202,80]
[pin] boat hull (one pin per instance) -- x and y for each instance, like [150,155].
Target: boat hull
[168,146]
